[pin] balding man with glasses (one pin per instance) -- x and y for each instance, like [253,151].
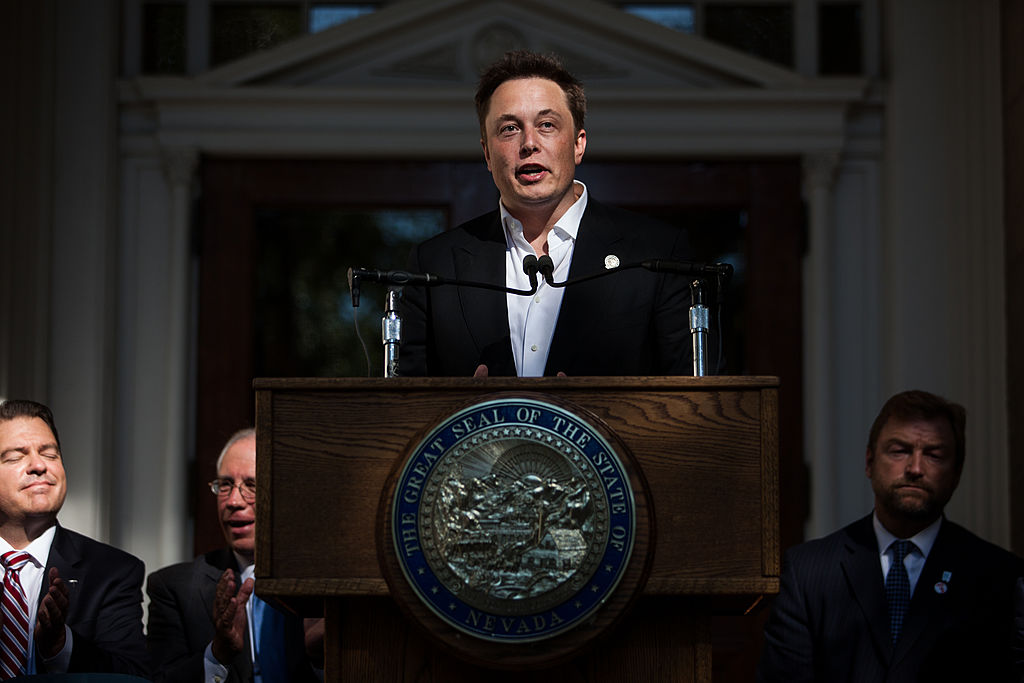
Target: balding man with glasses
[205,624]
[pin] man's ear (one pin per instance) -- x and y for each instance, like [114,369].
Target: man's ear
[869,459]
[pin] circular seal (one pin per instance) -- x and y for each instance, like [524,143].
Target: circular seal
[513,520]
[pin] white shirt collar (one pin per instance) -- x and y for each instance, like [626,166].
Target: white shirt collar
[39,549]
[568,223]
[923,540]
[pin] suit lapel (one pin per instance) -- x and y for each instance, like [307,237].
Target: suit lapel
[863,573]
[209,570]
[65,556]
[597,237]
[485,310]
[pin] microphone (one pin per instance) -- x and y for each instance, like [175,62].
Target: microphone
[547,269]
[404,277]
[687,268]
[393,277]
[530,268]
[353,285]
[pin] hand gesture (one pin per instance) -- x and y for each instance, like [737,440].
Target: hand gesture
[229,619]
[50,619]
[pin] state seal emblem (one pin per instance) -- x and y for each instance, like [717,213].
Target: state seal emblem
[513,520]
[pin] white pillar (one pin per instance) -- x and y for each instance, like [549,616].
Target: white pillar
[818,176]
[945,329]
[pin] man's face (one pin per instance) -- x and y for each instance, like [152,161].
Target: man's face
[32,481]
[913,473]
[531,146]
[237,515]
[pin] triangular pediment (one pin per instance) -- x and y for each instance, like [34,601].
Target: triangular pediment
[400,82]
[420,43]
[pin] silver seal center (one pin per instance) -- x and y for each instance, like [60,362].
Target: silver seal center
[514,521]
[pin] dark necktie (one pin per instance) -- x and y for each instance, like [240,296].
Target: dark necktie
[897,587]
[14,635]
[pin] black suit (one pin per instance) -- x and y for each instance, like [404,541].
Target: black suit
[105,611]
[830,619]
[1018,629]
[181,623]
[630,323]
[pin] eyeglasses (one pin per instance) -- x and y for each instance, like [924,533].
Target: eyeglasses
[223,487]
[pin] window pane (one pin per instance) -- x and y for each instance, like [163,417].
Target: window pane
[764,31]
[680,17]
[304,315]
[839,39]
[325,16]
[163,38]
[238,30]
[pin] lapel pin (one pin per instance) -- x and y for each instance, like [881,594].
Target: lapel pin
[611,261]
[943,585]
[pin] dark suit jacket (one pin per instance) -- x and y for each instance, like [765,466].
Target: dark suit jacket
[830,620]
[105,612]
[633,322]
[181,623]
[1018,629]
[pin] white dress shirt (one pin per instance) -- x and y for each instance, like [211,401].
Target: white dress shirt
[532,319]
[915,559]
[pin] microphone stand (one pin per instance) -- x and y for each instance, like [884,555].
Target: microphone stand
[391,322]
[391,331]
[699,328]
[698,310]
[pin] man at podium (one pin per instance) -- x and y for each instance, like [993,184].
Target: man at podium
[903,594]
[632,322]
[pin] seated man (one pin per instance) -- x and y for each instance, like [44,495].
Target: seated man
[205,624]
[903,594]
[96,626]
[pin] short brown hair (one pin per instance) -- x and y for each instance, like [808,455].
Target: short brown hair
[15,408]
[921,405]
[525,64]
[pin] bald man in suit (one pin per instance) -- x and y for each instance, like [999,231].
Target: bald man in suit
[202,614]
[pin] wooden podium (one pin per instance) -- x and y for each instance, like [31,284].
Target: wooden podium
[707,448]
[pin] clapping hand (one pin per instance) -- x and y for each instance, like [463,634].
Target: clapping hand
[229,618]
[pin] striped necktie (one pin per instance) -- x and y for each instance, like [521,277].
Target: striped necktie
[897,587]
[14,635]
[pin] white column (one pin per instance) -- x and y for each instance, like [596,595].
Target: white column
[154,373]
[818,177]
[945,327]
[82,340]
